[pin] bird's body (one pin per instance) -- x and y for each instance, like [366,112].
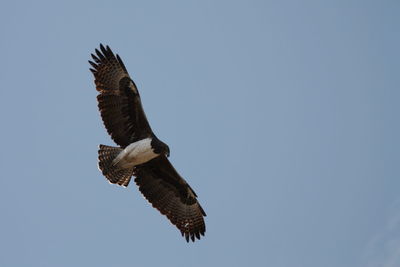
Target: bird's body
[135,154]
[140,152]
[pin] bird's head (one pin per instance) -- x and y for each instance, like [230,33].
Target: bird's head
[160,147]
[164,149]
[167,151]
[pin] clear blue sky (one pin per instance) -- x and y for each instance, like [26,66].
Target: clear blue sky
[282,115]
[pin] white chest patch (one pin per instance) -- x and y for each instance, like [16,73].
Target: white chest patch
[135,154]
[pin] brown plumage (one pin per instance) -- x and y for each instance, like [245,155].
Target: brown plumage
[123,116]
[118,100]
[168,192]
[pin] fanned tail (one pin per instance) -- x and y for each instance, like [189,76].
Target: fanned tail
[113,173]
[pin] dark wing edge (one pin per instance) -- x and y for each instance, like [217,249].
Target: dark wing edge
[168,192]
[118,100]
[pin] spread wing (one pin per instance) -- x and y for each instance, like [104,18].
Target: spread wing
[168,192]
[118,100]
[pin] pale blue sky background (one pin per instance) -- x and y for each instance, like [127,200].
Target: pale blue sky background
[282,115]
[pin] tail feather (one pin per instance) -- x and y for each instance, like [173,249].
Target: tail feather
[113,173]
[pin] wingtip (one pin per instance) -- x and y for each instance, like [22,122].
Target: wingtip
[95,58]
[100,54]
[103,49]
[192,236]
[108,49]
[94,65]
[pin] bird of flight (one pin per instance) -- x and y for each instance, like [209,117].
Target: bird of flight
[140,153]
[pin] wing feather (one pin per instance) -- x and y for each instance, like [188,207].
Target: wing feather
[118,100]
[168,192]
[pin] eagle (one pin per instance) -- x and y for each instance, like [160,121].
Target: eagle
[139,152]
